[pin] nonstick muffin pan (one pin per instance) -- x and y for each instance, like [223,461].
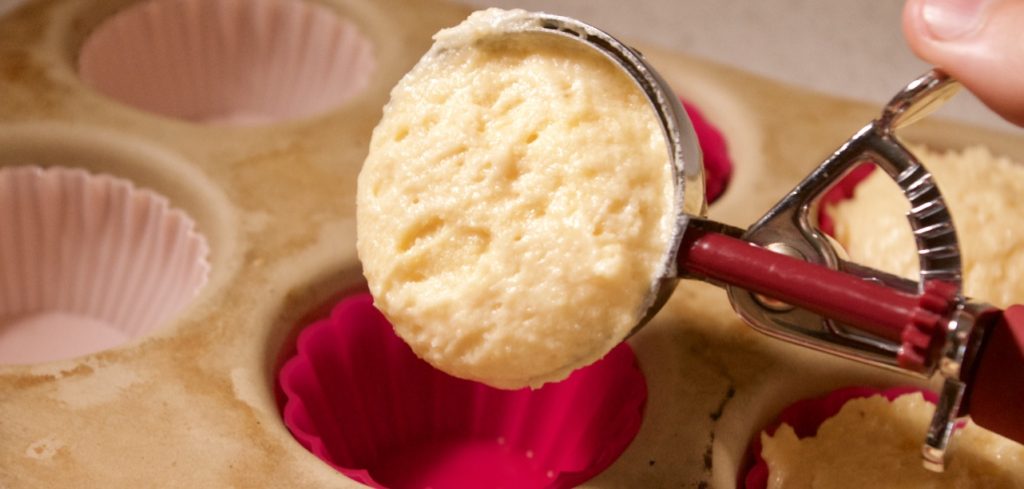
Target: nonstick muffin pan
[255,159]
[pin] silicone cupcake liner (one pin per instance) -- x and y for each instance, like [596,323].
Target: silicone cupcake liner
[717,164]
[235,62]
[839,192]
[88,262]
[358,398]
[805,416]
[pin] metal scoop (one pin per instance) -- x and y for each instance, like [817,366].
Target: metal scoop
[786,278]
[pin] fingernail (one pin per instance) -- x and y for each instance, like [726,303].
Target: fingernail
[952,19]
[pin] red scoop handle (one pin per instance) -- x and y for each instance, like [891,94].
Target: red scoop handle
[870,306]
[995,399]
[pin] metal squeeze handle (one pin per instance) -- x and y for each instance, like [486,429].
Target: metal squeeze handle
[995,396]
[789,228]
[923,327]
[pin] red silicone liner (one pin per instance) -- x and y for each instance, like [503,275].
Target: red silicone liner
[805,416]
[842,190]
[717,164]
[358,398]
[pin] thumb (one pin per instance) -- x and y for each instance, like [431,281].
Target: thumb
[978,42]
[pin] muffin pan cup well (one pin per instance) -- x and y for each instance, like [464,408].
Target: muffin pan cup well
[806,415]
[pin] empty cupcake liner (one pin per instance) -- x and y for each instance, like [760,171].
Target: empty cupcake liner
[805,416]
[717,164]
[88,262]
[358,398]
[236,62]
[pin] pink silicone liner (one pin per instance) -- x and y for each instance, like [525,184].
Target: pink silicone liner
[718,166]
[234,62]
[88,262]
[358,398]
[842,190]
[805,416]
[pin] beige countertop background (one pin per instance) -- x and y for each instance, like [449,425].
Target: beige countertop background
[848,48]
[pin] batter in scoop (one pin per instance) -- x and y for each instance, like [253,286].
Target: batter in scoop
[516,205]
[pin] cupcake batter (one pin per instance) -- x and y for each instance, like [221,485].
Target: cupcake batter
[515,207]
[874,443]
[983,194]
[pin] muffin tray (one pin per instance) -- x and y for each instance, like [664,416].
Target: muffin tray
[177,201]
